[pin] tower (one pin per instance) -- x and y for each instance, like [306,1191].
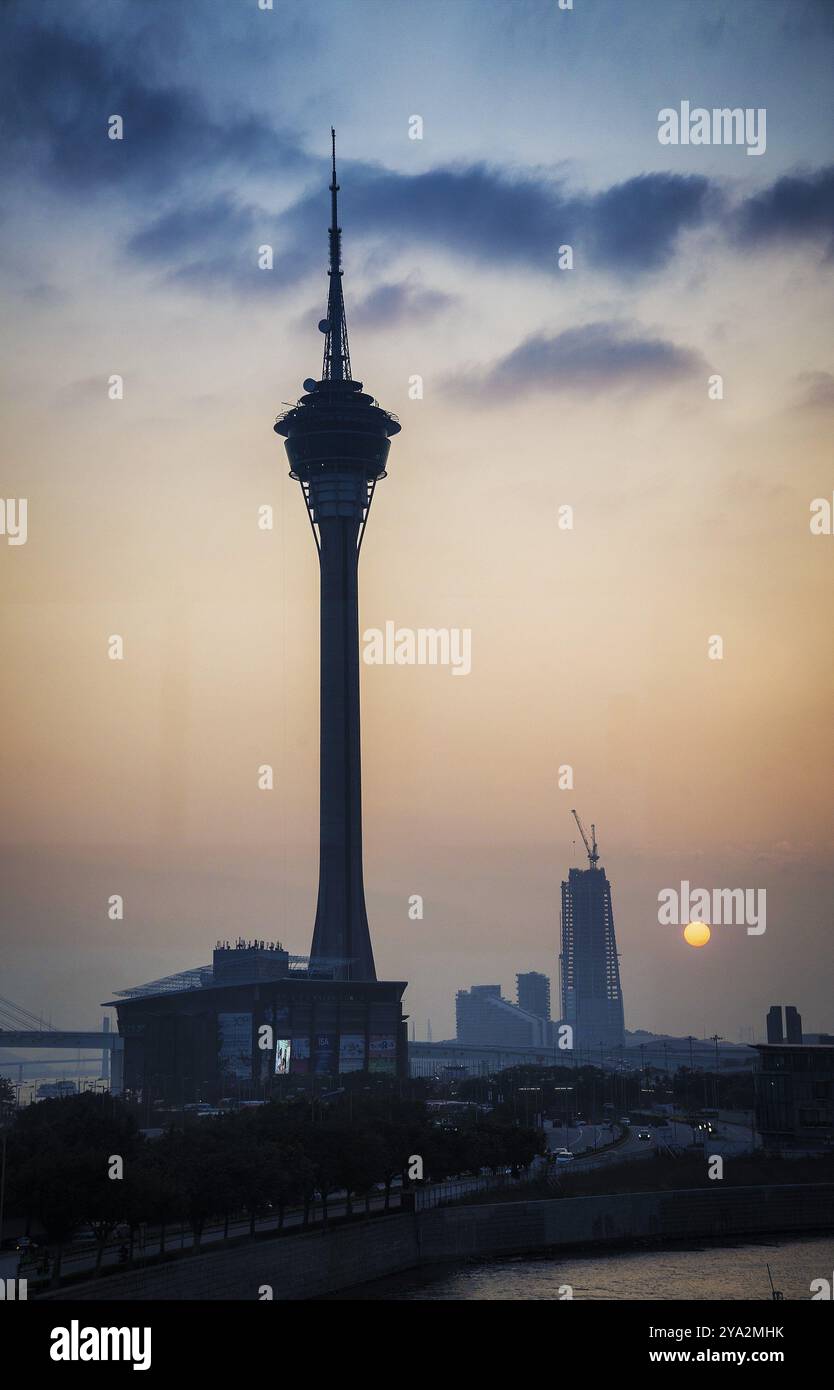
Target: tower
[337,440]
[793,1024]
[592,999]
[533,993]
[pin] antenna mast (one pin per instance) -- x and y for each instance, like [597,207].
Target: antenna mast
[336,365]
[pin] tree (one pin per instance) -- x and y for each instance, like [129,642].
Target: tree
[324,1149]
[162,1189]
[364,1156]
[60,1199]
[101,1199]
[289,1177]
[7,1098]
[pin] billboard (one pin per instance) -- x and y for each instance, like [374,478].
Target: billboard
[382,1055]
[352,1052]
[278,1019]
[300,1055]
[283,1055]
[235,1046]
[326,1053]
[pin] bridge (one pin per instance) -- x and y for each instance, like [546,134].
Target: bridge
[57,1038]
[21,1029]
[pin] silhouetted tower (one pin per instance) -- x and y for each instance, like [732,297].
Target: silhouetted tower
[793,1024]
[592,999]
[533,993]
[337,442]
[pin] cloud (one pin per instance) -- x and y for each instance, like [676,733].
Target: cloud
[61,88]
[635,225]
[797,207]
[390,305]
[512,219]
[481,214]
[588,359]
[816,391]
[218,223]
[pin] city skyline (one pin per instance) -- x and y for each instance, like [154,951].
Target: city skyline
[542,388]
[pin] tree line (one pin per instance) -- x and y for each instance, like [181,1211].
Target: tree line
[80,1163]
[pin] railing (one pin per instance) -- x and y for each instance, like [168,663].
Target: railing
[438,1194]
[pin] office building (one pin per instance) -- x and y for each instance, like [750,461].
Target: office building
[794,1096]
[484,1018]
[533,993]
[592,1000]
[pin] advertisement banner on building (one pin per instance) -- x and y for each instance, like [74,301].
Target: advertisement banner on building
[300,1055]
[326,1053]
[351,1052]
[283,1056]
[235,1046]
[383,1053]
[277,1020]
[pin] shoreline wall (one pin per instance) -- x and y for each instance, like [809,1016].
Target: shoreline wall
[310,1265]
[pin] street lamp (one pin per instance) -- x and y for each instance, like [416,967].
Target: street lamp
[568,1090]
[2,1187]
[716,1038]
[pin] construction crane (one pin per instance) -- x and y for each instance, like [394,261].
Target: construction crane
[593,852]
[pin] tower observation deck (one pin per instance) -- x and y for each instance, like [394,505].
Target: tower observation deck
[337,440]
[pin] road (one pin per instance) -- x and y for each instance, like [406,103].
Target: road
[674,1135]
[81,1255]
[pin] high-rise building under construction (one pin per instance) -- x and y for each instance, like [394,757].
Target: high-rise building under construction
[592,1000]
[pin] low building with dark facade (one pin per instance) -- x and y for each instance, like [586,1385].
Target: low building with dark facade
[201,1035]
[794,1095]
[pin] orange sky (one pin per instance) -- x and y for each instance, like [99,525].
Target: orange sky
[589,646]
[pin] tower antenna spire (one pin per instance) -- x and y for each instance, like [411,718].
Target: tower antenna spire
[336,364]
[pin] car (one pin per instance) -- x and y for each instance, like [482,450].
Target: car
[644,1134]
[565,1157]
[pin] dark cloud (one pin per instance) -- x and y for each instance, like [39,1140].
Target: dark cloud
[809,19]
[590,359]
[216,244]
[516,220]
[635,225]
[795,207]
[195,227]
[390,305]
[478,213]
[60,89]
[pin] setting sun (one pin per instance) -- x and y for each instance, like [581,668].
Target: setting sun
[696,933]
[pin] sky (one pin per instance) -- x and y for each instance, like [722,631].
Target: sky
[543,388]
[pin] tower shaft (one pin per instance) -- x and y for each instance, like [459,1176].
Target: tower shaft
[341,928]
